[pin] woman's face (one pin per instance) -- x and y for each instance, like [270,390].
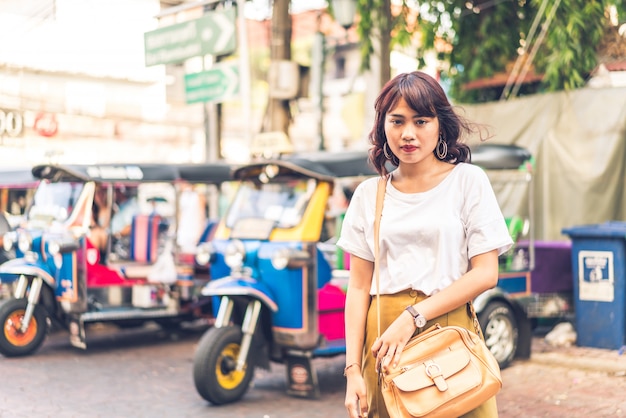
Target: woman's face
[411,137]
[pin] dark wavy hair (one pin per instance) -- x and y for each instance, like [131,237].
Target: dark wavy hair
[424,95]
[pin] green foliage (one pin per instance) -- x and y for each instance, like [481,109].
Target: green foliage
[371,21]
[484,37]
[569,51]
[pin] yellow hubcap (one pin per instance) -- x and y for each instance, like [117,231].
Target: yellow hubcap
[227,376]
[12,331]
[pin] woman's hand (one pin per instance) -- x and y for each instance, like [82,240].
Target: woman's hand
[356,394]
[388,348]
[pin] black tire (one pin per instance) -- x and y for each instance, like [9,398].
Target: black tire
[214,366]
[500,330]
[13,342]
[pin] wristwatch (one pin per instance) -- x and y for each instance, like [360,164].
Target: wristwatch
[420,320]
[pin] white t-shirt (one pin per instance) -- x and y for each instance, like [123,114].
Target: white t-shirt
[426,239]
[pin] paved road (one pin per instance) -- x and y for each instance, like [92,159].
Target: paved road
[147,373]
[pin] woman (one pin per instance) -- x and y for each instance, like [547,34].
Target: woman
[441,233]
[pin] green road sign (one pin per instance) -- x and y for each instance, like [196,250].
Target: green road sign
[212,34]
[215,85]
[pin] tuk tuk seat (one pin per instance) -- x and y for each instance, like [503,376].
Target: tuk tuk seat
[144,238]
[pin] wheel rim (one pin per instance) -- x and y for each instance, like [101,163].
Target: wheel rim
[227,376]
[12,331]
[499,337]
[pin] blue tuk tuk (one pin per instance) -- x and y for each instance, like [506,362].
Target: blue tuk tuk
[99,245]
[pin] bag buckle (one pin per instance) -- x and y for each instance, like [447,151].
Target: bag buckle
[433,370]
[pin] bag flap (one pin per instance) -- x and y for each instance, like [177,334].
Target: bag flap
[446,364]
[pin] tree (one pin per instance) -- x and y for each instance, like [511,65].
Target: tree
[487,37]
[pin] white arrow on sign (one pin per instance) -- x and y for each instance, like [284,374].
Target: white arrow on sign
[226,30]
[232,79]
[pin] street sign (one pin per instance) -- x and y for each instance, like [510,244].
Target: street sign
[212,34]
[215,85]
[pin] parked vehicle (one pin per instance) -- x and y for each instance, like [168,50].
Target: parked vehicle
[61,274]
[281,283]
[281,297]
[535,282]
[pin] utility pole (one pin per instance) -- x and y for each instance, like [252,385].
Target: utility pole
[280,49]
[318,59]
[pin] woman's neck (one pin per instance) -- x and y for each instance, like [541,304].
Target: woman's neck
[420,177]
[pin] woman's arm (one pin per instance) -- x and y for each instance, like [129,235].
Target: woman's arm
[357,305]
[483,275]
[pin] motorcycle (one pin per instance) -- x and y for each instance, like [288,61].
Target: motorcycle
[61,278]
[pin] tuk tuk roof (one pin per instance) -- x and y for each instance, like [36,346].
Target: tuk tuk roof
[499,156]
[342,164]
[17,177]
[128,173]
[210,173]
[320,165]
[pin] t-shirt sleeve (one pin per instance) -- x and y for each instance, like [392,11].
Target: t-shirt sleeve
[485,225]
[352,238]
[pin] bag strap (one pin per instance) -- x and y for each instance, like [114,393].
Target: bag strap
[380,198]
[474,317]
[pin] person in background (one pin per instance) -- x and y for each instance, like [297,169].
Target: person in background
[441,232]
[18,207]
[97,233]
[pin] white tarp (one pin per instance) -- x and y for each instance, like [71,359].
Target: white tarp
[578,140]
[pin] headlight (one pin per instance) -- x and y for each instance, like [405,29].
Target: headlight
[290,258]
[8,240]
[205,254]
[235,254]
[24,242]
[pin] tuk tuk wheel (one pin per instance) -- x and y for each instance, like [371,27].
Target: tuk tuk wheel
[500,329]
[14,342]
[214,366]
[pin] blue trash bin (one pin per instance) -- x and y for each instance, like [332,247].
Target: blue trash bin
[599,274]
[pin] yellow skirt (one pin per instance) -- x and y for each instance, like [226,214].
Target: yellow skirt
[392,307]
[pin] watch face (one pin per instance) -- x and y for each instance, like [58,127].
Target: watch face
[420,321]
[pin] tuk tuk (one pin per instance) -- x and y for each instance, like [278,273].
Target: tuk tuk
[535,277]
[60,274]
[281,281]
[273,266]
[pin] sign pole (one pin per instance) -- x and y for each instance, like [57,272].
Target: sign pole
[211,128]
[245,89]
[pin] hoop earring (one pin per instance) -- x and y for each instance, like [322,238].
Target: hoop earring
[385,147]
[442,148]
[391,157]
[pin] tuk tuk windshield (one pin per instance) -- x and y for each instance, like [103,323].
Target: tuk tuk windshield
[54,201]
[281,203]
